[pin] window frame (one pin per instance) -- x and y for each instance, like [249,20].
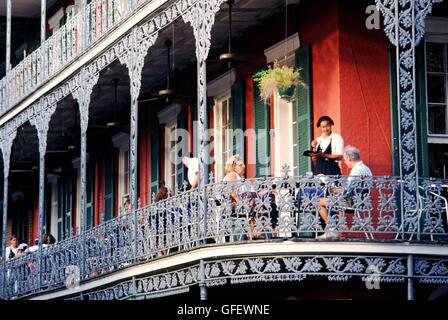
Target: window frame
[223,149]
[436,33]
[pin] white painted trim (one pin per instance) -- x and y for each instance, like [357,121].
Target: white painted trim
[72,7]
[436,25]
[121,141]
[438,139]
[121,176]
[53,21]
[168,116]
[283,136]
[77,204]
[52,178]
[259,248]
[277,51]
[168,157]
[436,31]
[76,65]
[220,87]
[54,208]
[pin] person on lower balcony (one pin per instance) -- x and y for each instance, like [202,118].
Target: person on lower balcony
[192,164]
[328,147]
[352,159]
[13,249]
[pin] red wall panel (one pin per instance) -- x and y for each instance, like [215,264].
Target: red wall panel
[250,138]
[365,93]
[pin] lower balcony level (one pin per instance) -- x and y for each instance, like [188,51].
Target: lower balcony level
[248,232]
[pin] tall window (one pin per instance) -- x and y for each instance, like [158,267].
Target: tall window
[436,52]
[223,139]
[126,172]
[170,143]
[121,142]
[437,86]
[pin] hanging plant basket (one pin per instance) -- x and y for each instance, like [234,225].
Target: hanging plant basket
[284,80]
[288,94]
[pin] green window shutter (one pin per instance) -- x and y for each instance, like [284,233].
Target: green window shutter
[421,117]
[109,186]
[303,111]
[195,131]
[68,205]
[90,194]
[394,111]
[60,219]
[422,132]
[48,217]
[155,162]
[182,144]
[237,101]
[262,130]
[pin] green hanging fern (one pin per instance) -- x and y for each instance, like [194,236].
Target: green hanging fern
[276,77]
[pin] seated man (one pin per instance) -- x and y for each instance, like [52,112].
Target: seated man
[353,160]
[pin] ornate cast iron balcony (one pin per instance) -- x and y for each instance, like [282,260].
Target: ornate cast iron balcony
[368,209]
[80,32]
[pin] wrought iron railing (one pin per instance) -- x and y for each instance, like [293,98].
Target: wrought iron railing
[81,31]
[368,209]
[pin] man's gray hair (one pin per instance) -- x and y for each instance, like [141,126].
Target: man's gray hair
[352,153]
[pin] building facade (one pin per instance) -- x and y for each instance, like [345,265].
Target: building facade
[98,109]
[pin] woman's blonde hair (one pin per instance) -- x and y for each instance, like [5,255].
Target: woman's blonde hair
[229,164]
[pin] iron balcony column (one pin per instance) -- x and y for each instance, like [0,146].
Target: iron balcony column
[8,36]
[43,20]
[87,80]
[404,24]
[7,139]
[42,122]
[202,17]
[134,59]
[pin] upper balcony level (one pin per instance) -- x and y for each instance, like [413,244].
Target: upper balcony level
[270,217]
[85,28]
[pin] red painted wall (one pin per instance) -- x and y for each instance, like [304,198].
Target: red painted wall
[142,168]
[365,94]
[249,140]
[318,26]
[350,75]
[34,226]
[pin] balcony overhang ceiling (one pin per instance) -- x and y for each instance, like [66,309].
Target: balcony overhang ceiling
[24,8]
[246,14]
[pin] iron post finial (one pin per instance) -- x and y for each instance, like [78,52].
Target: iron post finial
[184,185]
[211,177]
[285,171]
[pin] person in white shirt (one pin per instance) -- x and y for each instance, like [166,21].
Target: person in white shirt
[357,168]
[193,170]
[13,249]
[329,147]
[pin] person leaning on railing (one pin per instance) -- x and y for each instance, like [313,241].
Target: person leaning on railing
[352,159]
[12,250]
[235,170]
